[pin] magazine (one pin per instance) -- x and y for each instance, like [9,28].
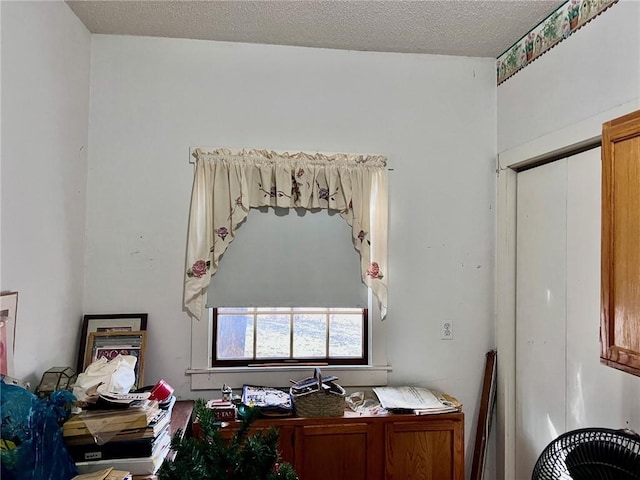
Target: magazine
[270,401]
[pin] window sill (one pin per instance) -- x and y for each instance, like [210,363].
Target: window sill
[348,376]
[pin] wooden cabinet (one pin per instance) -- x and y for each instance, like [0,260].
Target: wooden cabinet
[424,450]
[389,447]
[620,306]
[328,451]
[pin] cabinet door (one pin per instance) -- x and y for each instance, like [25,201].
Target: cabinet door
[418,450]
[620,306]
[285,443]
[336,452]
[286,438]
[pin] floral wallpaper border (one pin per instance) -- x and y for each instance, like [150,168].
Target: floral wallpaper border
[566,19]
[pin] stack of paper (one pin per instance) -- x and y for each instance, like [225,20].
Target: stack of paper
[98,422]
[135,439]
[106,474]
[137,442]
[418,400]
[137,466]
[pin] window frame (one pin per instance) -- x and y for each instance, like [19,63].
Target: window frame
[288,361]
[204,377]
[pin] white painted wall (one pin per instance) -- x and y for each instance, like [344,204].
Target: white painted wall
[434,116]
[594,70]
[153,98]
[558,101]
[45,111]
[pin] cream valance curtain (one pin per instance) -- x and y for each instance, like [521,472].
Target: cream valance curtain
[227,184]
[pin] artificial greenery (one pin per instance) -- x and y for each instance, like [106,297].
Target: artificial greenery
[207,456]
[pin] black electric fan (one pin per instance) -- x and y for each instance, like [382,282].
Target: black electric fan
[591,453]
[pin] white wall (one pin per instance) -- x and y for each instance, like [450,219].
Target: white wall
[560,100]
[45,112]
[434,116]
[594,70]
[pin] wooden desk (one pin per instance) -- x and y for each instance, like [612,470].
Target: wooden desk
[180,420]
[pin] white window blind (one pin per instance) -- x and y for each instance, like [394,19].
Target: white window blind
[290,258]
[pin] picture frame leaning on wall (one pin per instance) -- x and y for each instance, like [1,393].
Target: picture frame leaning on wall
[111,344]
[115,322]
[8,314]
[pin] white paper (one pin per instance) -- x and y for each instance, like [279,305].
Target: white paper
[408,398]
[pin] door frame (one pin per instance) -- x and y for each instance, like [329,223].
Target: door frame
[573,139]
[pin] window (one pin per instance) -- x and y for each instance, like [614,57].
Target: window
[204,375]
[228,184]
[296,247]
[288,335]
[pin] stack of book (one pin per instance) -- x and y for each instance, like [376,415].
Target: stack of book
[225,411]
[135,439]
[106,474]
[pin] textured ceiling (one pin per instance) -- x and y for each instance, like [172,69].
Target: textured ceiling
[477,28]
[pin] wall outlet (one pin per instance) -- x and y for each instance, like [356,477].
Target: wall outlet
[447,330]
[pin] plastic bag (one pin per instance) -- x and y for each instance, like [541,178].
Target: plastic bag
[32,443]
[106,376]
[358,402]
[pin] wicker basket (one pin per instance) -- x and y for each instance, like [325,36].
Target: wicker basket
[319,402]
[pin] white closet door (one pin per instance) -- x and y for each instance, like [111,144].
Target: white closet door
[540,311]
[589,387]
[560,383]
[597,395]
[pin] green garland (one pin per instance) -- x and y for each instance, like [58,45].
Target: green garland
[209,457]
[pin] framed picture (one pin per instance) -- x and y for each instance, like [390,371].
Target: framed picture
[111,344]
[120,322]
[8,311]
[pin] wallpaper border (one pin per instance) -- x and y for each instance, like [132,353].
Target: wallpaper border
[558,25]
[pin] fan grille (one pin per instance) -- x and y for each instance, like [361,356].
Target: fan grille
[590,453]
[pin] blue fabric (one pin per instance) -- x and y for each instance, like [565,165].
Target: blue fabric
[32,443]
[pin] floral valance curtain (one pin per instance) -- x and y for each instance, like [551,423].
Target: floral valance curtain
[227,184]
